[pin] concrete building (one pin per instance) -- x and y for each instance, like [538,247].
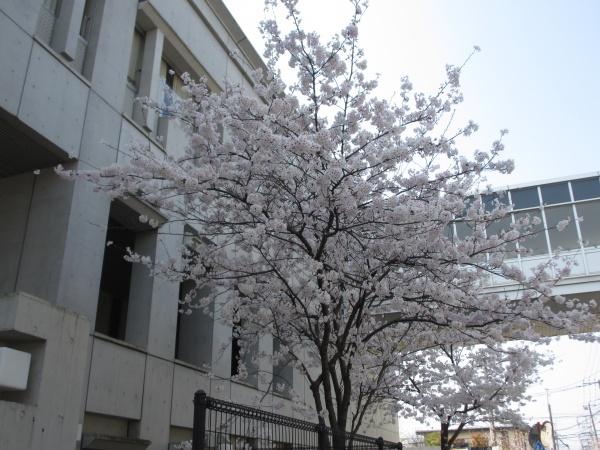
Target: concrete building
[112,363]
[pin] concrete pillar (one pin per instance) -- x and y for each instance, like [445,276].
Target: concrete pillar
[140,292]
[153,301]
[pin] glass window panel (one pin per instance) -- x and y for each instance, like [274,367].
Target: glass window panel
[489,201]
[135,59]
[450,234]
[567,238]
[497,227]
[86,20]
[172,80]
[590,229]
[556,193]
[584,189]
[525,198]
[468,203]
[537,241]
[463,230]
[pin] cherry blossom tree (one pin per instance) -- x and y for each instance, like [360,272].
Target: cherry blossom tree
[325,219]
[460,385]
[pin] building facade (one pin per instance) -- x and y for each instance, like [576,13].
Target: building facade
[113,364]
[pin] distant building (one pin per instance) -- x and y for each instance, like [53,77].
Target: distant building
[576,198]
[506,438]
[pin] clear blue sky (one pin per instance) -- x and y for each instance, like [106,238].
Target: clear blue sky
[538,75]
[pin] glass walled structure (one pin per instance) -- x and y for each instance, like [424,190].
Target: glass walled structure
[576,199]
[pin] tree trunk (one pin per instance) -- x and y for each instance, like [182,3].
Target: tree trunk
[446,440]
[444,437]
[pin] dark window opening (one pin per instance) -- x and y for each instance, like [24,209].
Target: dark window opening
[115,281]
[125,287]
[194,338]
[236,349]
[242,353]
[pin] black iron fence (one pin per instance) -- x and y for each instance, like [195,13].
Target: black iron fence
[221,425]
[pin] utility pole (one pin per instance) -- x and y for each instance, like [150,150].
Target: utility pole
[593,424]
[554,443]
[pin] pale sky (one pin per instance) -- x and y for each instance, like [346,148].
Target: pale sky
[538,75]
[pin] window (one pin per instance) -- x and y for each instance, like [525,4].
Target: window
[499,228]
[463,230]
[283,373]
[555,193]
[134,74]
[590,231]
[537,241]
[525,198]
[567,238]
[236,350]
[115,281]
[135,60]
[490,201]
[194,337]
[86,20]
[124,287]
[173,80]
[586,189]
[242,353]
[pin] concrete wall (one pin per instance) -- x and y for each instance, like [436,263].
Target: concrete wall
[56,105]
[60,97]
[47,414]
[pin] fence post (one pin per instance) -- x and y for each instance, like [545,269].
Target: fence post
[321,436]
[379,442]
[199,431]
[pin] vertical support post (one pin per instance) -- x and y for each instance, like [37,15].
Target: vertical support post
[555,444]
[593,423]
[199,431]
[379,442]
[321,436]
